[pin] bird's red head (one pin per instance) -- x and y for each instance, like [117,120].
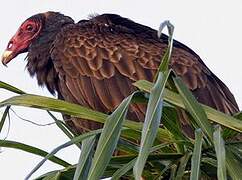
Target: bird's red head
[22,39]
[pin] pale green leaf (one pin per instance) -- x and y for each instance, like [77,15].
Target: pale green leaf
[11,88]
[151,124]
[220,153]
[75,140]
[182,166]
[108,139]
[196,155]
[212,114]
[194,108]
[85,159]
[32,150]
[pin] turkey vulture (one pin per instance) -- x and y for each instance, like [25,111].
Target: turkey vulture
[94,63]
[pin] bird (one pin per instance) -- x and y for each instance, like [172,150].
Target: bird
[95,61]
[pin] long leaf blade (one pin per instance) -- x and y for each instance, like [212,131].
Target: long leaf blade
[11,88]
[120,172]
[196,155]
[61,125]
[4,117]
[234,166]
[75,140]
[182,166]
[32,150]
[220,153]
[194,108]
[151,124]
[108,139]
[56,105]
[212,114]
[166,58]
[84,163]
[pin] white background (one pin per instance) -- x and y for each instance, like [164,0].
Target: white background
[211,28]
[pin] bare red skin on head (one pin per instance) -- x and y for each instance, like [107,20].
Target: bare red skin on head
[22,39]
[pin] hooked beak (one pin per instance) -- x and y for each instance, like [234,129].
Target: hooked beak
[7,57]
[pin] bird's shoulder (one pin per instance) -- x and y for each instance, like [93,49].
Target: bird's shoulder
[112,25]
[109,46]
[98,47]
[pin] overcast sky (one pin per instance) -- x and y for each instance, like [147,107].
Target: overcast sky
[211,28]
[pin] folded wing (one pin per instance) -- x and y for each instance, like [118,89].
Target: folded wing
[98,60]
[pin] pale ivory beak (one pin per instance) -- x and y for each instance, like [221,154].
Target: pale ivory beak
[6,57]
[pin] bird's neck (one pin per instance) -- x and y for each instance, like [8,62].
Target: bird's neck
[39,59]
[40,63]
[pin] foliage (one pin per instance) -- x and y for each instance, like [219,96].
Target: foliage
[146,149]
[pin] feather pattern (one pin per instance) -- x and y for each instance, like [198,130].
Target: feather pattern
[94,63]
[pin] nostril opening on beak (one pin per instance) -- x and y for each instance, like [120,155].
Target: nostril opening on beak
[10,44]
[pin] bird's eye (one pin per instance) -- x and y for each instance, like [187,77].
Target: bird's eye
[29,27]
[10,44]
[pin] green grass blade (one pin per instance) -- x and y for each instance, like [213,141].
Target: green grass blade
[228,133]
[173,169]
[32,150]
[61,125]
[63,174]
[4,117]
[54,176]
[168,166]
[56,105]
[152,157]
[116,161]
[220,153]
[46,175]
[11,88]
[170,121]
[108,139]
[238,115]
[166,58]
[151,124]
[123,170]
[84,163]
[75,110]
[127,146]
[209,161]
[196,155]
[75,140]
[64,128]
[194,108]
[223,119]
[164,135]
[212,114]
[163,145]
[131,134]
[182,166]
[234,166]
[46,103]
[236,148]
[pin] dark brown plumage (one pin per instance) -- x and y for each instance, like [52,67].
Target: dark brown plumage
[94,63]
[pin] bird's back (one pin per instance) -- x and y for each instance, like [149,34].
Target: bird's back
[99,59]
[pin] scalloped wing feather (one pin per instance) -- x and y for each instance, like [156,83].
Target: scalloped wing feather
[97,63]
